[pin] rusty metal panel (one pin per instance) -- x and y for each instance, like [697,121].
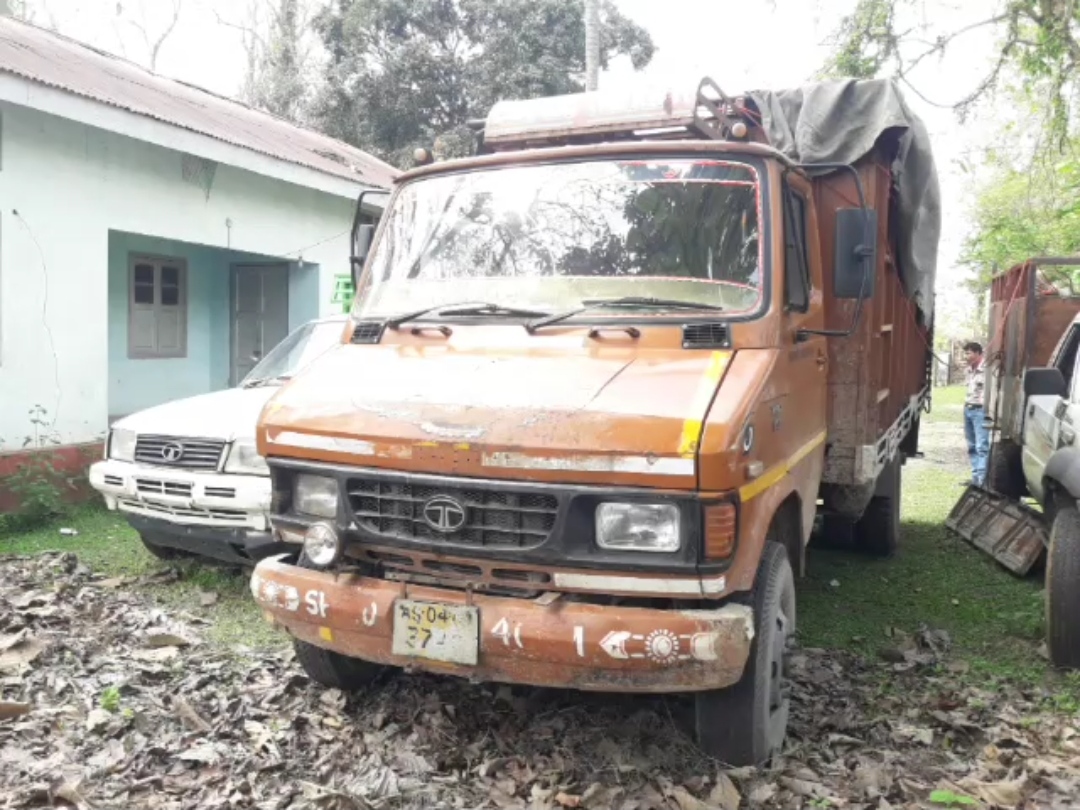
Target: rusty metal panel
[56,61]
[1008,531]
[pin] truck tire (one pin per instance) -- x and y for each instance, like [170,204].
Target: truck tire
[1063,589]
[746,723]
[877,532]
[161,552]
[330,668]
[333,669]
[1004,474]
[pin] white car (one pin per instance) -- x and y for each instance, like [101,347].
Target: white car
[187,475]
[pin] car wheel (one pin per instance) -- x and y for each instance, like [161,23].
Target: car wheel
[1063,589]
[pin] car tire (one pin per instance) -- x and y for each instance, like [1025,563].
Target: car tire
[877,532]
[745,724]
[1004,473]
[161,552]
[1063,589]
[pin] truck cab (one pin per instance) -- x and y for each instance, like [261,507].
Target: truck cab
[593,424]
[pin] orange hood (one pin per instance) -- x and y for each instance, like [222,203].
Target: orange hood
[546,408]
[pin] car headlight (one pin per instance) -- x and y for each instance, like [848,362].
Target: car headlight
[122,444]
[244,459]
[638,527]
[316,495]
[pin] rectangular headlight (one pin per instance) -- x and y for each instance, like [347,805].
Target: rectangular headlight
[122,444]
[638,527]
[316,495]
[244,459]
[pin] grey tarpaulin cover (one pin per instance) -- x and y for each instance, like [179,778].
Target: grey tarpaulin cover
[839,122]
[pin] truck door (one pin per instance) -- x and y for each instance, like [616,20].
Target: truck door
[800,416]
[1051,422]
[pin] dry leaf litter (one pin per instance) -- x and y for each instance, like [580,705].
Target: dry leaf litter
[107,701]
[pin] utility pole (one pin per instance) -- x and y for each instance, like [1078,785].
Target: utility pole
[592,44]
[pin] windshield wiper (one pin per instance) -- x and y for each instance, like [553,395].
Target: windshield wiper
[466,308]
[627,301]
[261,381]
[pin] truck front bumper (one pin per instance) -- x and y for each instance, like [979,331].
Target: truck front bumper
[550,641]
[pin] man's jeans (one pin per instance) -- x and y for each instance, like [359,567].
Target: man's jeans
[978,442]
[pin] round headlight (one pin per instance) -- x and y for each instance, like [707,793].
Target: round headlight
[322,546]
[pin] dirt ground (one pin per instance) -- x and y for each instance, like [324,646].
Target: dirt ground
[107,700]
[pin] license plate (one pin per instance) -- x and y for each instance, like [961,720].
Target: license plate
[439,632]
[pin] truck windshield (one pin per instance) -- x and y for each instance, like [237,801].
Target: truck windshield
[548,237]
[299,348]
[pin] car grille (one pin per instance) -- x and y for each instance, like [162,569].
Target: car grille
[494,518]
[195,454]
[153,487]
[220,516]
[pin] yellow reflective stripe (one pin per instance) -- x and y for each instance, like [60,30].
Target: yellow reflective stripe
[778,471]
[692,426]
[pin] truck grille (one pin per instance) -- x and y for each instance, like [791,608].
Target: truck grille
[493,518]
[179,451]
[150,486]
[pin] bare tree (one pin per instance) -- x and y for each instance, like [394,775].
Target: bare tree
[592,44]
[152,40]
[280,55]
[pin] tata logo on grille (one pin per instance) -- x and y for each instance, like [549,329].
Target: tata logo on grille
[173,451]
[444,514]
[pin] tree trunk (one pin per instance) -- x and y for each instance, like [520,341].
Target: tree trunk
[592,44]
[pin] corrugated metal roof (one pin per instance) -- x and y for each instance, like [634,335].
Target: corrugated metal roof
[60,62]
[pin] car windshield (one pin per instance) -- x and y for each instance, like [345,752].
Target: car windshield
[298,349]
[548,237]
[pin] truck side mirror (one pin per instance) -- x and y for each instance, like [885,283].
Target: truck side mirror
[361,247]
[1044,382]
[855,253]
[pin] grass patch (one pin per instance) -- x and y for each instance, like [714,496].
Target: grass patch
[947,404]
[109,546]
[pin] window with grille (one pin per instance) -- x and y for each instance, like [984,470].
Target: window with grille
[157,302]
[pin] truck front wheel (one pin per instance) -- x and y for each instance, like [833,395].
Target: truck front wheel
[335,670]
[745,724]
[1063,589]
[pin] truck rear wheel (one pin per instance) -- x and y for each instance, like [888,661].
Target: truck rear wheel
[877,532]
[1004,473]
[745,724]
[1063,589]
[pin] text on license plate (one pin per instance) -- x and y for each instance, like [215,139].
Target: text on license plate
[439,632]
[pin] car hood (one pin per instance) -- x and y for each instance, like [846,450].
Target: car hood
[228,415]
[540,410]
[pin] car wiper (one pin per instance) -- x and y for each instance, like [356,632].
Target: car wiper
[614,303]
[261,381]
[466,308]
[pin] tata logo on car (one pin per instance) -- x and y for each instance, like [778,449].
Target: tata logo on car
[444,514]
[173,451]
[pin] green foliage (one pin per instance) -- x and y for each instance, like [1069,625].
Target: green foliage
[1038,41]
[110,699]
[39,486]
[1028,210]
[408,73]
[950,799]
[865,41]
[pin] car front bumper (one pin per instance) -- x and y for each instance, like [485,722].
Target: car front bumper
[184,498]
[549,641]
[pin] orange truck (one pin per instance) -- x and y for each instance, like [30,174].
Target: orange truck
[597,382]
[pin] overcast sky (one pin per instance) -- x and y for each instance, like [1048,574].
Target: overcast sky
[742,45]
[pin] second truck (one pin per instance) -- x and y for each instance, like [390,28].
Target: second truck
[597,383]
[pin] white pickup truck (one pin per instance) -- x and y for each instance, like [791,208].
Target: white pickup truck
[186,474]
[1050,459]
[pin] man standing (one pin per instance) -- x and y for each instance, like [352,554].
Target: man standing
[975,431]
